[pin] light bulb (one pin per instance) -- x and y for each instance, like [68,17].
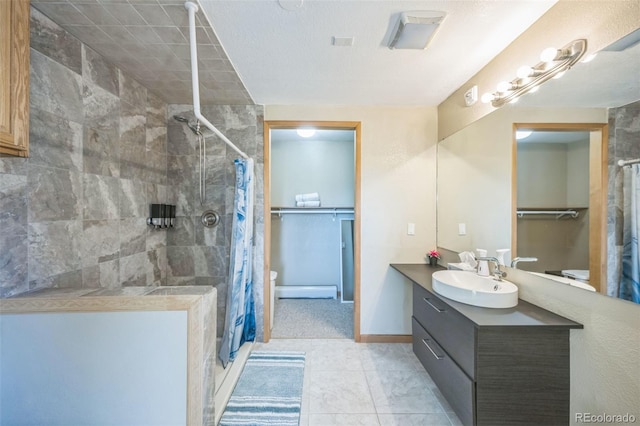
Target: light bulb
[487,97]
[548,54]
[306,132]
[504,86]
[524,71]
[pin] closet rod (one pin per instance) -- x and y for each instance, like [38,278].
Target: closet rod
[559,213]
[306,210]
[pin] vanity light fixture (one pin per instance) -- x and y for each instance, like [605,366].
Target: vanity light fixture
[554,63]
[305,132]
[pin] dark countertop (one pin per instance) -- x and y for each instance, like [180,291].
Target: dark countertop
[524,314]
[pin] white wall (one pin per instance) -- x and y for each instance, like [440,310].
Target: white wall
[93,368]
[542,175]
[578,174]
[605,355]
[304,166]
[398,159]
[306,248]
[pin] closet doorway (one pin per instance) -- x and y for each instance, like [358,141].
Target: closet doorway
[312,236]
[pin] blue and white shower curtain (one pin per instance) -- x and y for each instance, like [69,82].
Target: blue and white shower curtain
[630,279]
[240,322]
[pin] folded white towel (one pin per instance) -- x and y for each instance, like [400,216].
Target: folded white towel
[307,203]
[312,196]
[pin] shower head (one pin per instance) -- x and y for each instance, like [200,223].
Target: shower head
[195,128]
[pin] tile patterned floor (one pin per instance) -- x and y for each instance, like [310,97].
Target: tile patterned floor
[371,384]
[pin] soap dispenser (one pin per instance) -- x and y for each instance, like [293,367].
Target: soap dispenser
[502,256]
[483,265]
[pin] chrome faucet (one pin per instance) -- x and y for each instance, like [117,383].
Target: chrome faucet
[515,260]
[497,273]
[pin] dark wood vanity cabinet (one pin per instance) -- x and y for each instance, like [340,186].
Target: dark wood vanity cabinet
[494,366]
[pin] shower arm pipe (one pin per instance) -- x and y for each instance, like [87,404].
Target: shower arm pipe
[192,8]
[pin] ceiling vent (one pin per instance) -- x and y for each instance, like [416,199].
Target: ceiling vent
[414,30]
[342,41]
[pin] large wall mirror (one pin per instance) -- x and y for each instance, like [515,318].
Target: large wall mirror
[493,188]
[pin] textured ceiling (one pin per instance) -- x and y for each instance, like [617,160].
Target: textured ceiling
[148,39]
[286,57]
[261,51]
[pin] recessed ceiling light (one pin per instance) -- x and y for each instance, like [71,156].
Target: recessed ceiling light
[306,132]
[290,5]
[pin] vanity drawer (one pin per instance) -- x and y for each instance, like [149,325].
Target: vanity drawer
[454,333]
[457,388]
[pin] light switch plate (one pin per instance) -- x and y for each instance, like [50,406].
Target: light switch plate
[411,229]
[462,229]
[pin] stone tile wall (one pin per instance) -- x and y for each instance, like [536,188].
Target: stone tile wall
[624,144]
[73,214]
[198,255]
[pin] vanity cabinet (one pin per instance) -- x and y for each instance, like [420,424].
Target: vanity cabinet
[494,366]
[14,77]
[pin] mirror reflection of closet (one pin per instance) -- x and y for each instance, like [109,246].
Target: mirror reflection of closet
[560,200]
[312,246]
[553,201]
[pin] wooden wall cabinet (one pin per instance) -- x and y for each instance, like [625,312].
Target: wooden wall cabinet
[14,77]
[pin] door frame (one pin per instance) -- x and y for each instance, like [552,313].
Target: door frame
[598,178]
[324,125]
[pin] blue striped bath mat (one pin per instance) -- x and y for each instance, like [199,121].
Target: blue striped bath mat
[268,392]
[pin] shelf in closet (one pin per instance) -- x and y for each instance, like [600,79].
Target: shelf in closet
[312,210]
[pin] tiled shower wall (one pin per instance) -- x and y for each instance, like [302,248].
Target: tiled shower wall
[198,255]
[624,144]
[73,214]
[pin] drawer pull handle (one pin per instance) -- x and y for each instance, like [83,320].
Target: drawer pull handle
[431,350]
[433,306]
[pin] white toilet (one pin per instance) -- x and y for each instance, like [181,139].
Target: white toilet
[272,278]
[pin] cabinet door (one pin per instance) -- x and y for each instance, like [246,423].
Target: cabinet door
[14,77]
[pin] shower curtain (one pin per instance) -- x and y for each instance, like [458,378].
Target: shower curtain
[240,321]
[630,278]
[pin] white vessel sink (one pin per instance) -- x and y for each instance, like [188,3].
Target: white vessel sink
[467,287]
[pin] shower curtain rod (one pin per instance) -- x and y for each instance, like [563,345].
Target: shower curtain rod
[623,163]
[192,8]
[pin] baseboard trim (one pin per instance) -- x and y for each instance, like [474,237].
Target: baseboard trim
[385,338]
